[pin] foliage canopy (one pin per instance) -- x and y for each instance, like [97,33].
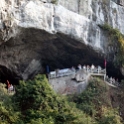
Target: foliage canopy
[36,103]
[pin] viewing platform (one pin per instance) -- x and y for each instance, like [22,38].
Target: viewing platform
[91,71]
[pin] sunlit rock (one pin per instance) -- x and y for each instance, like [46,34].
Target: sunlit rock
[42,29]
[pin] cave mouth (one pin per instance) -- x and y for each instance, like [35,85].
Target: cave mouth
[65,52]
[114,72]
[7,74]
[57,51]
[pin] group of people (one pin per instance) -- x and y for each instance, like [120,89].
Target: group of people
[91,68]
[10,87]
[112,80]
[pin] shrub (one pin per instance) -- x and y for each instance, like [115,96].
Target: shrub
[40,104]
[109,116]
[8,114]
[96,102]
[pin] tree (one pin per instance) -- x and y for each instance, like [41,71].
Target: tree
[8,113]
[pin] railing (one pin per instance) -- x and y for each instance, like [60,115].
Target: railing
[67,71]
[61,73]
[113,81]
[95,72]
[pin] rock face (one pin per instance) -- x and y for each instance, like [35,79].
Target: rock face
[36,33]
[69,84]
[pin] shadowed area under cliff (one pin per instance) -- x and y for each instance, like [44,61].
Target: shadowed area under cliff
[66,52]
[6,74]
[56,51]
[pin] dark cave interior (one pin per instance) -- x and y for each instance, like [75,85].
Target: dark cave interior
[6,74]
[114,72]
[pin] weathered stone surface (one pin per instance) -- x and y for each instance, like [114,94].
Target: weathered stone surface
[69,84]
[71,18]
[37,30]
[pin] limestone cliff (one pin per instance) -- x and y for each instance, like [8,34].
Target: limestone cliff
[36,33]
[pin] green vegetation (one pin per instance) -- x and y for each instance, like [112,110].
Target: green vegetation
[117,40]
[37,100]
[54,1]
[96,102]
[8,113]
[36,103]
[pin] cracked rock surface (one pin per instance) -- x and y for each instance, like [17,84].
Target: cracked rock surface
[36,33]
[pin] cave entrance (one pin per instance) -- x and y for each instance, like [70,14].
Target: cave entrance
[6,74]
[114,72]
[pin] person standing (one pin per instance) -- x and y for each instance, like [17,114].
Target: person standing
[8,84]
[11,88]
[79,67]
[105,63]
[47,69]
[73,69]
[92,68]
[111,79]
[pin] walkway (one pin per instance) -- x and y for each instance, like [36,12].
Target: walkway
[92,71]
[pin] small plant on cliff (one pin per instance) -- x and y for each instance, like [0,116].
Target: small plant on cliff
[54,1]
